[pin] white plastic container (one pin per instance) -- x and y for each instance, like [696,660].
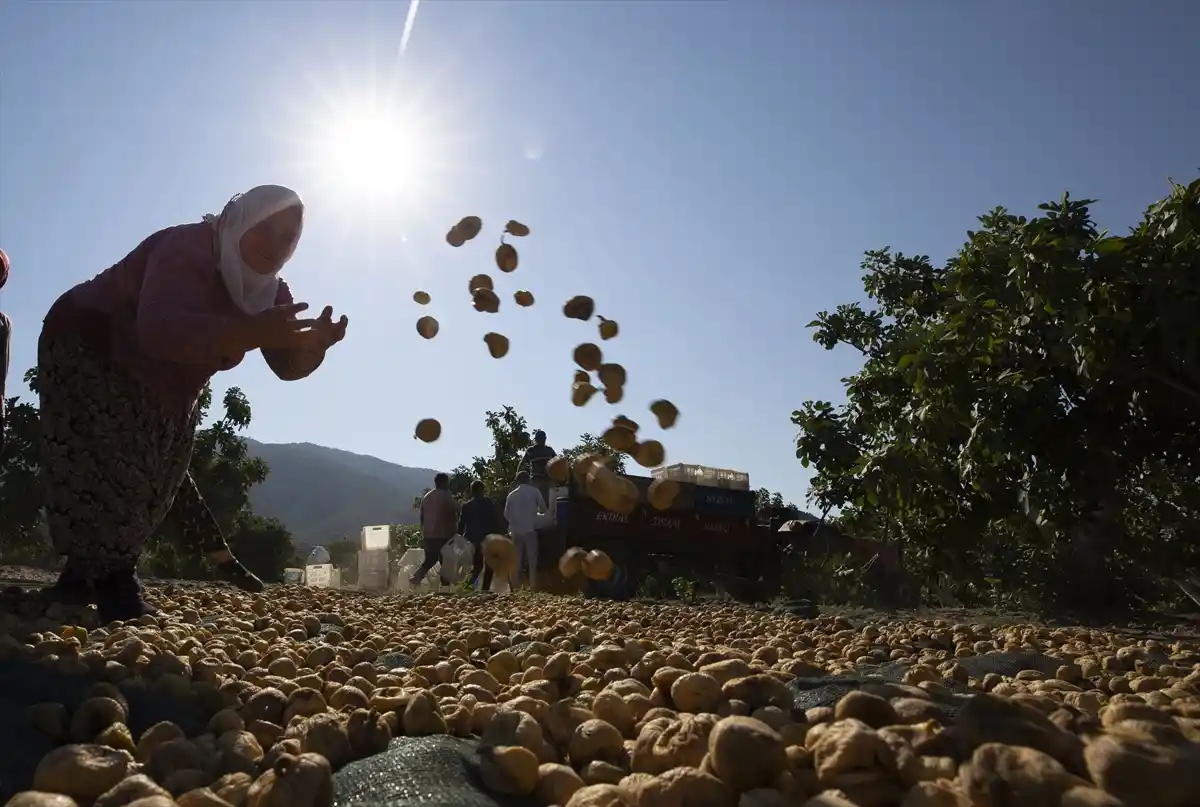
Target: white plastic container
[704,475]
[373,569]
[321,575]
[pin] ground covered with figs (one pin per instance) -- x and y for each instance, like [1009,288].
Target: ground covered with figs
[581,703]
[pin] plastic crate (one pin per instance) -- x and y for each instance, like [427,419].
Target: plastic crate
[704,476]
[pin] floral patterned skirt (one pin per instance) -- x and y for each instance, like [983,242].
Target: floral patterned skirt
[114,461]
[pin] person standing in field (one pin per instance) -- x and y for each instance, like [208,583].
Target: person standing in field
[478,519]
[122,361]
[521,509]
[439,517]
[5,346]
[534,461]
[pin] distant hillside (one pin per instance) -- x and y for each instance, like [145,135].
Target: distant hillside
[322,494]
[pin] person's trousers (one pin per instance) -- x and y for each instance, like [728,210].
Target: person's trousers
[433,556]
[544,486]
[527,552]
[478,567]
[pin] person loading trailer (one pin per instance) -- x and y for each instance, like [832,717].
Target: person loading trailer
[439,515]
[478,518]
[5,345]
[536,457]
[122,361]
[522,509]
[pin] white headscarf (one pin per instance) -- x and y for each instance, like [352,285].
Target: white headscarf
[251,291]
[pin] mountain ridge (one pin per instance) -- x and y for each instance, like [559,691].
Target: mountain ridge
[322,494]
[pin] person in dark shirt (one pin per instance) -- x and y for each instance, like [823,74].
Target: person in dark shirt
[5,343]
[478,518]
[535,460]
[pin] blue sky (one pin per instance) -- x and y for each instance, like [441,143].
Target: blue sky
[710,172]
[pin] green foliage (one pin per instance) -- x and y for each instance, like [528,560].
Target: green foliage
[511,436]
[684,588]
[591,444]
[772,509]
[22,531]
[1029,408]
[404,536]
[224,472]
[264,545]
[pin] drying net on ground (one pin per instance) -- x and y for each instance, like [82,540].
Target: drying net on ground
[413,772]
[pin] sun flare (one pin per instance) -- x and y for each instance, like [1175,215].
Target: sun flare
[374,153]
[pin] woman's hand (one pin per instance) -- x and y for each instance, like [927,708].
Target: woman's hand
[278,327]
[326,332]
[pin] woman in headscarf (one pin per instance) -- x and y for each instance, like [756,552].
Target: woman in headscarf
[122,360]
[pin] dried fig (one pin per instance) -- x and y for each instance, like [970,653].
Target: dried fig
[588,356]
[597,565]
[428,430]
[559,470]
[612,375]
[662,493]
[581,393]
[485,300]
[469,226]
[506,258]
[621,420]
[650,454]
[620,438]
[497,345]
[480,281]
[571,562]
[579,307]
[666,412]
[427,327]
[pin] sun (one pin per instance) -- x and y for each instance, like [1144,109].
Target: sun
[373,153]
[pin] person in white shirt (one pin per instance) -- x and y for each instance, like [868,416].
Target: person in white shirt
[521,510]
